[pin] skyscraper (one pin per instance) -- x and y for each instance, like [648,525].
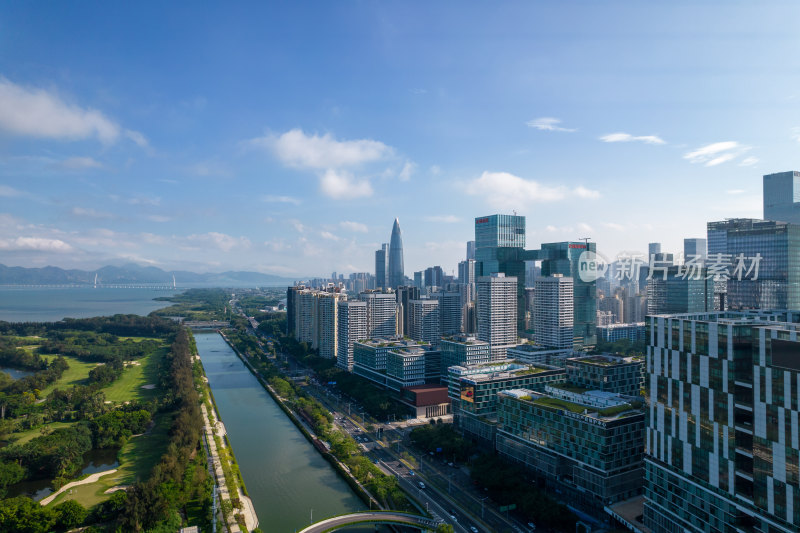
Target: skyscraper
[564,258]
[499,247]
[552,315]
[404,294]
[381,313]
[328,326]
[782,197]
[497,312]
[694,248]
[396,273]
[381,266]
[777,285]
[470,250]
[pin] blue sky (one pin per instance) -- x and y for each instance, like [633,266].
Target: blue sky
[285,137]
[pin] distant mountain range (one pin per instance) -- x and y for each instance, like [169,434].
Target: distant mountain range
[134,274]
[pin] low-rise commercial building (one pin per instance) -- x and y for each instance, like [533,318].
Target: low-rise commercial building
[589,444]
[619,375]
[633,332]
[473,390]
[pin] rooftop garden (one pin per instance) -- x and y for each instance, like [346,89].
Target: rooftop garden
[527,371]
[561,404]
[569,387]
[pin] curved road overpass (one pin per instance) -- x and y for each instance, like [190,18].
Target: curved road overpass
[372,517]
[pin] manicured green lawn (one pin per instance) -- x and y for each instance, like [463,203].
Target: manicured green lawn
[24,436]
[137,459]
[76,374]
[129,386]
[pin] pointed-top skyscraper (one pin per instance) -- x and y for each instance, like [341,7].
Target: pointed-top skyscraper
[396,273]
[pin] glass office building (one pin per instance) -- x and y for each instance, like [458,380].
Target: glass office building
[721,441]
[782,197]
[777,285]
[563,258]
[588,443]
[499,247]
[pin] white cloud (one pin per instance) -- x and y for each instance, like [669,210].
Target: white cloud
[297,225]
[296,149]
[280,199]
[9,192]
[89,212]
[614,226]
[145,200]
[38,113]
[547,124]
[447,219]
[224,242]
[138,138]
[716,153]
[735,191]
[418,91]
[503,190]
[583,226]
[748,161]
[328,235]
[435,170]
[582,192]
[80,163]
[627,137]
[35,243]
[341,184]
[408,170]
[158,218]
[796,134]
[354,226]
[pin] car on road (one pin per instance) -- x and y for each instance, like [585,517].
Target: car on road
[473,529]
[411,473]
[532,526]
[421,485]
[453,518]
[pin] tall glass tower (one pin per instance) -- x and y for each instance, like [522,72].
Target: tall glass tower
[499,245]
[396,272]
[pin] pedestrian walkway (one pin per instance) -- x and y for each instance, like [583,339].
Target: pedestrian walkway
[215,466]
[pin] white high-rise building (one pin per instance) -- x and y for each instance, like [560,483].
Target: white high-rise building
[497,313]
[352,327]
[424,320]
[552,312]
[327,320]
[306,310]
[381,313]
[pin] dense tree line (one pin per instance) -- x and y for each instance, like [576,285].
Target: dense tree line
[96,348]
[14,357]
[55,455]
[196,304]
[173,481]
[444,439]
[507,484]
[121,325]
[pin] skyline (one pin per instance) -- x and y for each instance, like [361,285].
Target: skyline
[289,145]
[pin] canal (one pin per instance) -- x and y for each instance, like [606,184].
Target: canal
[286,477]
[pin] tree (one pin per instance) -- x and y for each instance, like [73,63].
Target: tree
[23,515]
[445,528]
[69,514]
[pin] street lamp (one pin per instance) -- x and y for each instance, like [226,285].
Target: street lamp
[482,500]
